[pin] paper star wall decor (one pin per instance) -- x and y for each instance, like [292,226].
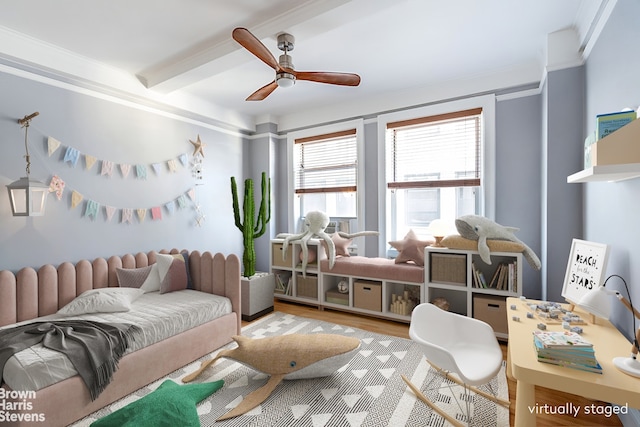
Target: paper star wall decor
[198,147]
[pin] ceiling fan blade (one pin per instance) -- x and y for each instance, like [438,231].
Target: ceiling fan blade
[263,92]
[344,79]
[255,46]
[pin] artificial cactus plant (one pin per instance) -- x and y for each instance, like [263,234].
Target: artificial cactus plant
[251,226]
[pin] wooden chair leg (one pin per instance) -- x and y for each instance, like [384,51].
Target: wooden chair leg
[482,393]
[426,400]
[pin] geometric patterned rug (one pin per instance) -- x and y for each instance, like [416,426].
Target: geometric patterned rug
[366,392]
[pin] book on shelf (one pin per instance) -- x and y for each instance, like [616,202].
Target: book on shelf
[501,277]
[479,281]
[494,279]
[505,277]
[483,281]
[283,283]
[606,124]
[512,272]
[476,279]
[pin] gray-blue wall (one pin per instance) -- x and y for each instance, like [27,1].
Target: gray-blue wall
[611,210]
[518,169]
[563,145]
[123,134]
[538,143]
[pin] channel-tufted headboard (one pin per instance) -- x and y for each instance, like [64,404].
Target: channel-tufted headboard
[32,293]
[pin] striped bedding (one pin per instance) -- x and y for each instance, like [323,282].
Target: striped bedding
[159,315]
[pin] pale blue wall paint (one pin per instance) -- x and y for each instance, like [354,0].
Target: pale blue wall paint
[518,168]
[371,179]
[611,210]
[562,157]
[123,134]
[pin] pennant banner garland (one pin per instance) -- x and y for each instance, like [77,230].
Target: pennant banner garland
[124,168]
[141,171]
[56,186]
[76,198]
[53,144]
[107,168]
[89,161]
[92,208]
[72,155]
[127,214]
[109,211]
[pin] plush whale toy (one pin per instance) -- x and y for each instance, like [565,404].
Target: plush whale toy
[285,357]
[474,227]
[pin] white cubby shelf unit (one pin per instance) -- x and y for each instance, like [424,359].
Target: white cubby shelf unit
[469,284]
[391,299]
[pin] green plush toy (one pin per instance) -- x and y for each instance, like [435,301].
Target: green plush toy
[170,405]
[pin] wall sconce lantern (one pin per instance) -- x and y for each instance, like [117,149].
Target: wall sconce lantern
[27,196]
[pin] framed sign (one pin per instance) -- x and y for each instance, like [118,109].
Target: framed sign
[587,262]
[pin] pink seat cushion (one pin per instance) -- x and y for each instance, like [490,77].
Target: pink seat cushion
[374,268]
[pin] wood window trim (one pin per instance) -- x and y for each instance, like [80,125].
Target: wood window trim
[436,118]
[464,182]
[346,189]
[325,136]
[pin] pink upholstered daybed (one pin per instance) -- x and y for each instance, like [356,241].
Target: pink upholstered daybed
[31,294]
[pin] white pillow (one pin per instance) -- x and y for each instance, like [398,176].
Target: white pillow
[152,283]
[104,300]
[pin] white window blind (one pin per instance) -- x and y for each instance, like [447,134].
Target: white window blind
[326,163]
[436,151]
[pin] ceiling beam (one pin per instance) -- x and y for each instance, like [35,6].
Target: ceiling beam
[213,56]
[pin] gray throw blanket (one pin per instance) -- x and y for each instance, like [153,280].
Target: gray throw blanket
[94,348]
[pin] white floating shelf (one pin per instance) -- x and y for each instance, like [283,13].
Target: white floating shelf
[606,173]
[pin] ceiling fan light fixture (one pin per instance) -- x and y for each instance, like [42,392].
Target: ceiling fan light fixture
[285,79]
[286,75]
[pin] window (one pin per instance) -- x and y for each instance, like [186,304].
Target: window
[325,173]
[433,170]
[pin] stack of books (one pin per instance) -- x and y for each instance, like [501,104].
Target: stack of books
[567,349]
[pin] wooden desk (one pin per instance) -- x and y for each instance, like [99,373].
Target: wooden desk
[611,386]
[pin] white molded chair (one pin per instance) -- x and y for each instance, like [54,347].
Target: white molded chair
[456,344]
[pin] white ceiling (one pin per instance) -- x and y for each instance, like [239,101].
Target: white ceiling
[180,53]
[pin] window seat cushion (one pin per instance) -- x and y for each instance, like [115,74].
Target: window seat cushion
[374,268]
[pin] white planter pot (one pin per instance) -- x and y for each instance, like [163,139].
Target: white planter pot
[257,295]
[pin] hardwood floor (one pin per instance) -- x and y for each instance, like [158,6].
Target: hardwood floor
[544,396]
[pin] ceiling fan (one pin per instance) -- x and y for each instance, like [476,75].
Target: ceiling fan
[286,76]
